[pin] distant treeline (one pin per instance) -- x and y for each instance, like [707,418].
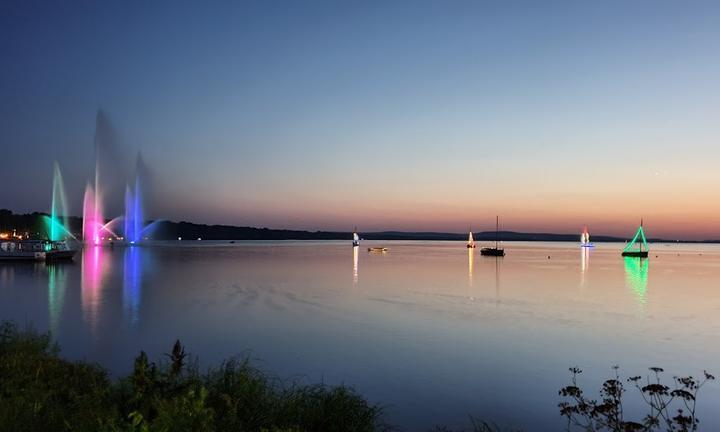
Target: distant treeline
[172,230]
[167,230]
[32,223]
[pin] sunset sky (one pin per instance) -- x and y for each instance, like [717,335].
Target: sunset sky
[387,115]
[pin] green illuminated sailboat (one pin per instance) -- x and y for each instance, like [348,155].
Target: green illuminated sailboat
[638,246]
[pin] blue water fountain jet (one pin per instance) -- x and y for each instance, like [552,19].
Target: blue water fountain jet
[135,228]
[134,213]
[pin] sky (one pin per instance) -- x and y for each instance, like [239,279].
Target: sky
[387,115]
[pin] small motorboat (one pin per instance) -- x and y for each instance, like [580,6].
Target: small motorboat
[356,238]
[377,249]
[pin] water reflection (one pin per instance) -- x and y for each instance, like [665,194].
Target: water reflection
[584,263]
[94,268]
[7,275]
[57,281]
[414,308]
[497,279]
[636,277]
[132,283]
[471,262]
[355,264]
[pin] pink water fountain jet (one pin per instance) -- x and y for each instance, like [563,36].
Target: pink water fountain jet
[93,221]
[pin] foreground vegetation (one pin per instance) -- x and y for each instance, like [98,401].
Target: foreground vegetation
[39,391]
[669,407]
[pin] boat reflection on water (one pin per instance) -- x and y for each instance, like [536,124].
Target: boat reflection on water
[584,263]
[57,282]
[471,263]
[355,265]
[636,277]
[486,278]
[497,280]
[440,314]
[132,283]
[94,268]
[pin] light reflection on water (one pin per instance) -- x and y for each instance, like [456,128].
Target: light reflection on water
[430,333]
[132,282]
[356,256]
[471,263]
[636,274]
[94,270]
[57,280]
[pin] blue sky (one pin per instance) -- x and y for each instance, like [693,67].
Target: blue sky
[387,115]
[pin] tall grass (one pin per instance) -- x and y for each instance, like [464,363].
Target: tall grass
[40,391]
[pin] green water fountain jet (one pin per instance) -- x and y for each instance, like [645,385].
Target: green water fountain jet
[57,223]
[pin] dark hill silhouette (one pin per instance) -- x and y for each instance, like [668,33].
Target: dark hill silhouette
[168,230]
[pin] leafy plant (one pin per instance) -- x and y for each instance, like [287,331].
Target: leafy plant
[671,409]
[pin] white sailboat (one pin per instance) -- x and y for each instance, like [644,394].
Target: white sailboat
[470,242]
[585,239]
[356,238]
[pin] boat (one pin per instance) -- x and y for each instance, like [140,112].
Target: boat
[470,242]
[585,239]
[35,250]
[59,251]
[22,250]
[356,238]
[377,249]
[642,248]
[494,251]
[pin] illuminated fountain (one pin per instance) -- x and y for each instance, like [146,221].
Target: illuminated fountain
[57,223]
[133,213]
[104,194]
[94,226]
[104,190]
[134,229]
[92,216]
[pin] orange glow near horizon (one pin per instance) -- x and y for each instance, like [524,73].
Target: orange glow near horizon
[609,196]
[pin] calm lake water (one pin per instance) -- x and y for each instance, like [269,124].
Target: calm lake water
[431,331]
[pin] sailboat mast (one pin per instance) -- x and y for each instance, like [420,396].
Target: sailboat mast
[497,228]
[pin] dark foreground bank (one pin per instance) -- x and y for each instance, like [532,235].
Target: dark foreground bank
[41,391]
